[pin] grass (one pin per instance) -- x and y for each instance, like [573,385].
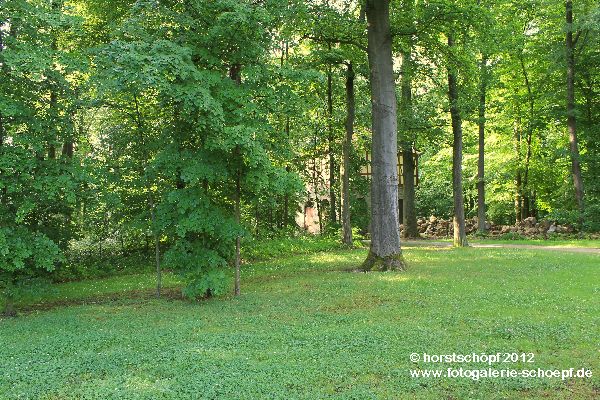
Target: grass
[578,243]
[554,242]
[306,329]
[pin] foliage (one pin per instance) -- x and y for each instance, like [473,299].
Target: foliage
[177,127]
[259,250]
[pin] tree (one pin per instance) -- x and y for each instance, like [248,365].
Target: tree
[347,148]
[385,252]
[460,236]
[571,112]
[409,212]
[38,187]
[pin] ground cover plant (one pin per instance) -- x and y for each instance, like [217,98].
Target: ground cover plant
[306,328]
[225,199]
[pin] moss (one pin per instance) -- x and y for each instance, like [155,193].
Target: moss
[394,262]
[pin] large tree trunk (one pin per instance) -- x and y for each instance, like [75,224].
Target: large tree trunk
[331,150]
[460,237]
[385,252]
[350,110]
[571,121]
[481,217]
[409,212]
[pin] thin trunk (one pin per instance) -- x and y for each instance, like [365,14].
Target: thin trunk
[331,139]
[315,187]
[53,112]
[481,214]
[518,180]
[235,74]
[350,107]
[385,252]
[56,6]
[460,236]
[525,183]
[518,183]
[156,245]
[409,212]
[151,203]
[3,70]
[238,196]
[286,198]
[571,119]
[9,300]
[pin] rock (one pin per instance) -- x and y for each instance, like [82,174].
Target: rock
[531,231]
[545,225]
[568,229]
[529,222]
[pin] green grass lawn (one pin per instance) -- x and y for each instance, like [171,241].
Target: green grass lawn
[578,243]
[306,329]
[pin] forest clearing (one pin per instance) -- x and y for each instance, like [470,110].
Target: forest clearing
[286,199]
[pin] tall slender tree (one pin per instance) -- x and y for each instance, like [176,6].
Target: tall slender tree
[346,150]
[409,212]
[481,214]
[571,117]
[460,236]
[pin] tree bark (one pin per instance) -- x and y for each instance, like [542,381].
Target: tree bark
[3,71]
[238,195]
[331,139]
[385,252]
[350,110]
[518,184]
[481,214]
[286,197]
[525,192]
[156,244]
[571,119]
[460,237]
[235,73]
[409,212]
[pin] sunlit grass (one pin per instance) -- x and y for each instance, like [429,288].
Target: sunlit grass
[305,328]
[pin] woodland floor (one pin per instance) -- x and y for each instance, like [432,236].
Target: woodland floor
[306,329]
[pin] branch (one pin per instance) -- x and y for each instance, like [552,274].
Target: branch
[334,40]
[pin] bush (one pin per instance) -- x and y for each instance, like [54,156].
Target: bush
[256,249]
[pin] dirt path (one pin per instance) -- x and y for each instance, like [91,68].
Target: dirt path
[427,243]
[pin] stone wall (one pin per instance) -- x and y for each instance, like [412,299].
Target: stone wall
[433,227]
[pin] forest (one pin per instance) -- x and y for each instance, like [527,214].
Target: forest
[176,128]
[194,147]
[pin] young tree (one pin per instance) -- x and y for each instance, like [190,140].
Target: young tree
[571,112]
[347,147]
[460,236]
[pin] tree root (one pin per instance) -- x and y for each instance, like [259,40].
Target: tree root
[394,262]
